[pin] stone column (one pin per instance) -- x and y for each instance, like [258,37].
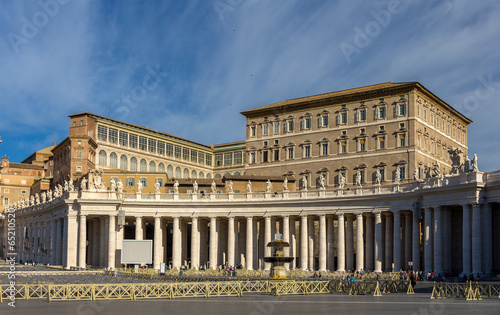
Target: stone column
[349,243]
[397,241]
[231,243]
[378,242]
[438,241]
[286,238]
[139,233]
[466,240]
[369,242]
[102,238]
[157,243]
[82,241]
[428,240]
[303,243]
[322,243]
[43,252]
[293,244]
[118,247]
[59,242]
[267,239]
[476,239]
[341,243]
[95,242]
[407,233]
[249,244]
[184,238]
[487,239]
[330,241]
[416,242]
[53,242]
[213,243]
[388,241]
[111,241]
[310,243]
[38,242]
[360,257]
[176,243]
[70,225]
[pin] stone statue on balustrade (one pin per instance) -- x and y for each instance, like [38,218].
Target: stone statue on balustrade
[37,199]
[322,182]
[397,179]
[71,185]
[230,186]
[415,174]
[139,187]
[466,165]
[119,189]
[341,181]
[176,187]
[304,182]
[112,185]
[473,164]
[427,171]
[66,186]
[32,201]
[378,177]
[195,187]
[358,178]
[157,188]
[455,160]
[213,187]
[249,187]
[43,195]
[436,170]
[83,184]
[285,184]
[49,195]
[268,185]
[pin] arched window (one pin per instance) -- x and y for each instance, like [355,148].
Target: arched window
[161,168]
[217,176]
[227,174]
[152,166]
[237,173]
[143,166]
[102,158]
[123,162]
[201,175]
[170,171]
[186,173]
[113,160]
[133,164]
[209,175]
[178,172]
[193,174]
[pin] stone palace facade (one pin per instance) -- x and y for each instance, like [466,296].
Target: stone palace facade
[381,182]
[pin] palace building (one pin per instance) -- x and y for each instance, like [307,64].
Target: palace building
[374,178]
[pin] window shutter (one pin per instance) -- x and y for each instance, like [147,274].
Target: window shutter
[338,118]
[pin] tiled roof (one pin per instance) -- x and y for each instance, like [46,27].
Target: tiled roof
[258,177]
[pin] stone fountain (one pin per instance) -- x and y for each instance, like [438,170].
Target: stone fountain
[278,259]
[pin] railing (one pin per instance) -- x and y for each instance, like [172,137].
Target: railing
[469,290]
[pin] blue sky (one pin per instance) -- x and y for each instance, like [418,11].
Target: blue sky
[189,67]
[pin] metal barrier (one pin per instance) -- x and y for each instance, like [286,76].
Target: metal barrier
[471,291]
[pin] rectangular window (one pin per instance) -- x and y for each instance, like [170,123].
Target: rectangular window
[152,145]
[290,153]
[133,141]
[381,141]
[237,157]
[289,125]
[161,147]
[265,156]
[252,131]
[143,143]
[324,121]
[382,174]
[252,157]
[102,133]
[208,159]
[402,174]
[201,157]
[342,118]
[178,152]
[418,110]
[78,168]
[185,154]
[218,160]
[130,182]
[381,112]
[228,158]
[276,126]
[362,145]
[159,180]
[362,175]
[123,138]
[194,155]
[343,147]
[402,140]
[306,123]
[6,201]
[265,129]
[361,115]
[170,149]
[307,151]
[324,148]
[113,135]
[432,118]
[144,181]
[276,155]
[402,109]
[425,114]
